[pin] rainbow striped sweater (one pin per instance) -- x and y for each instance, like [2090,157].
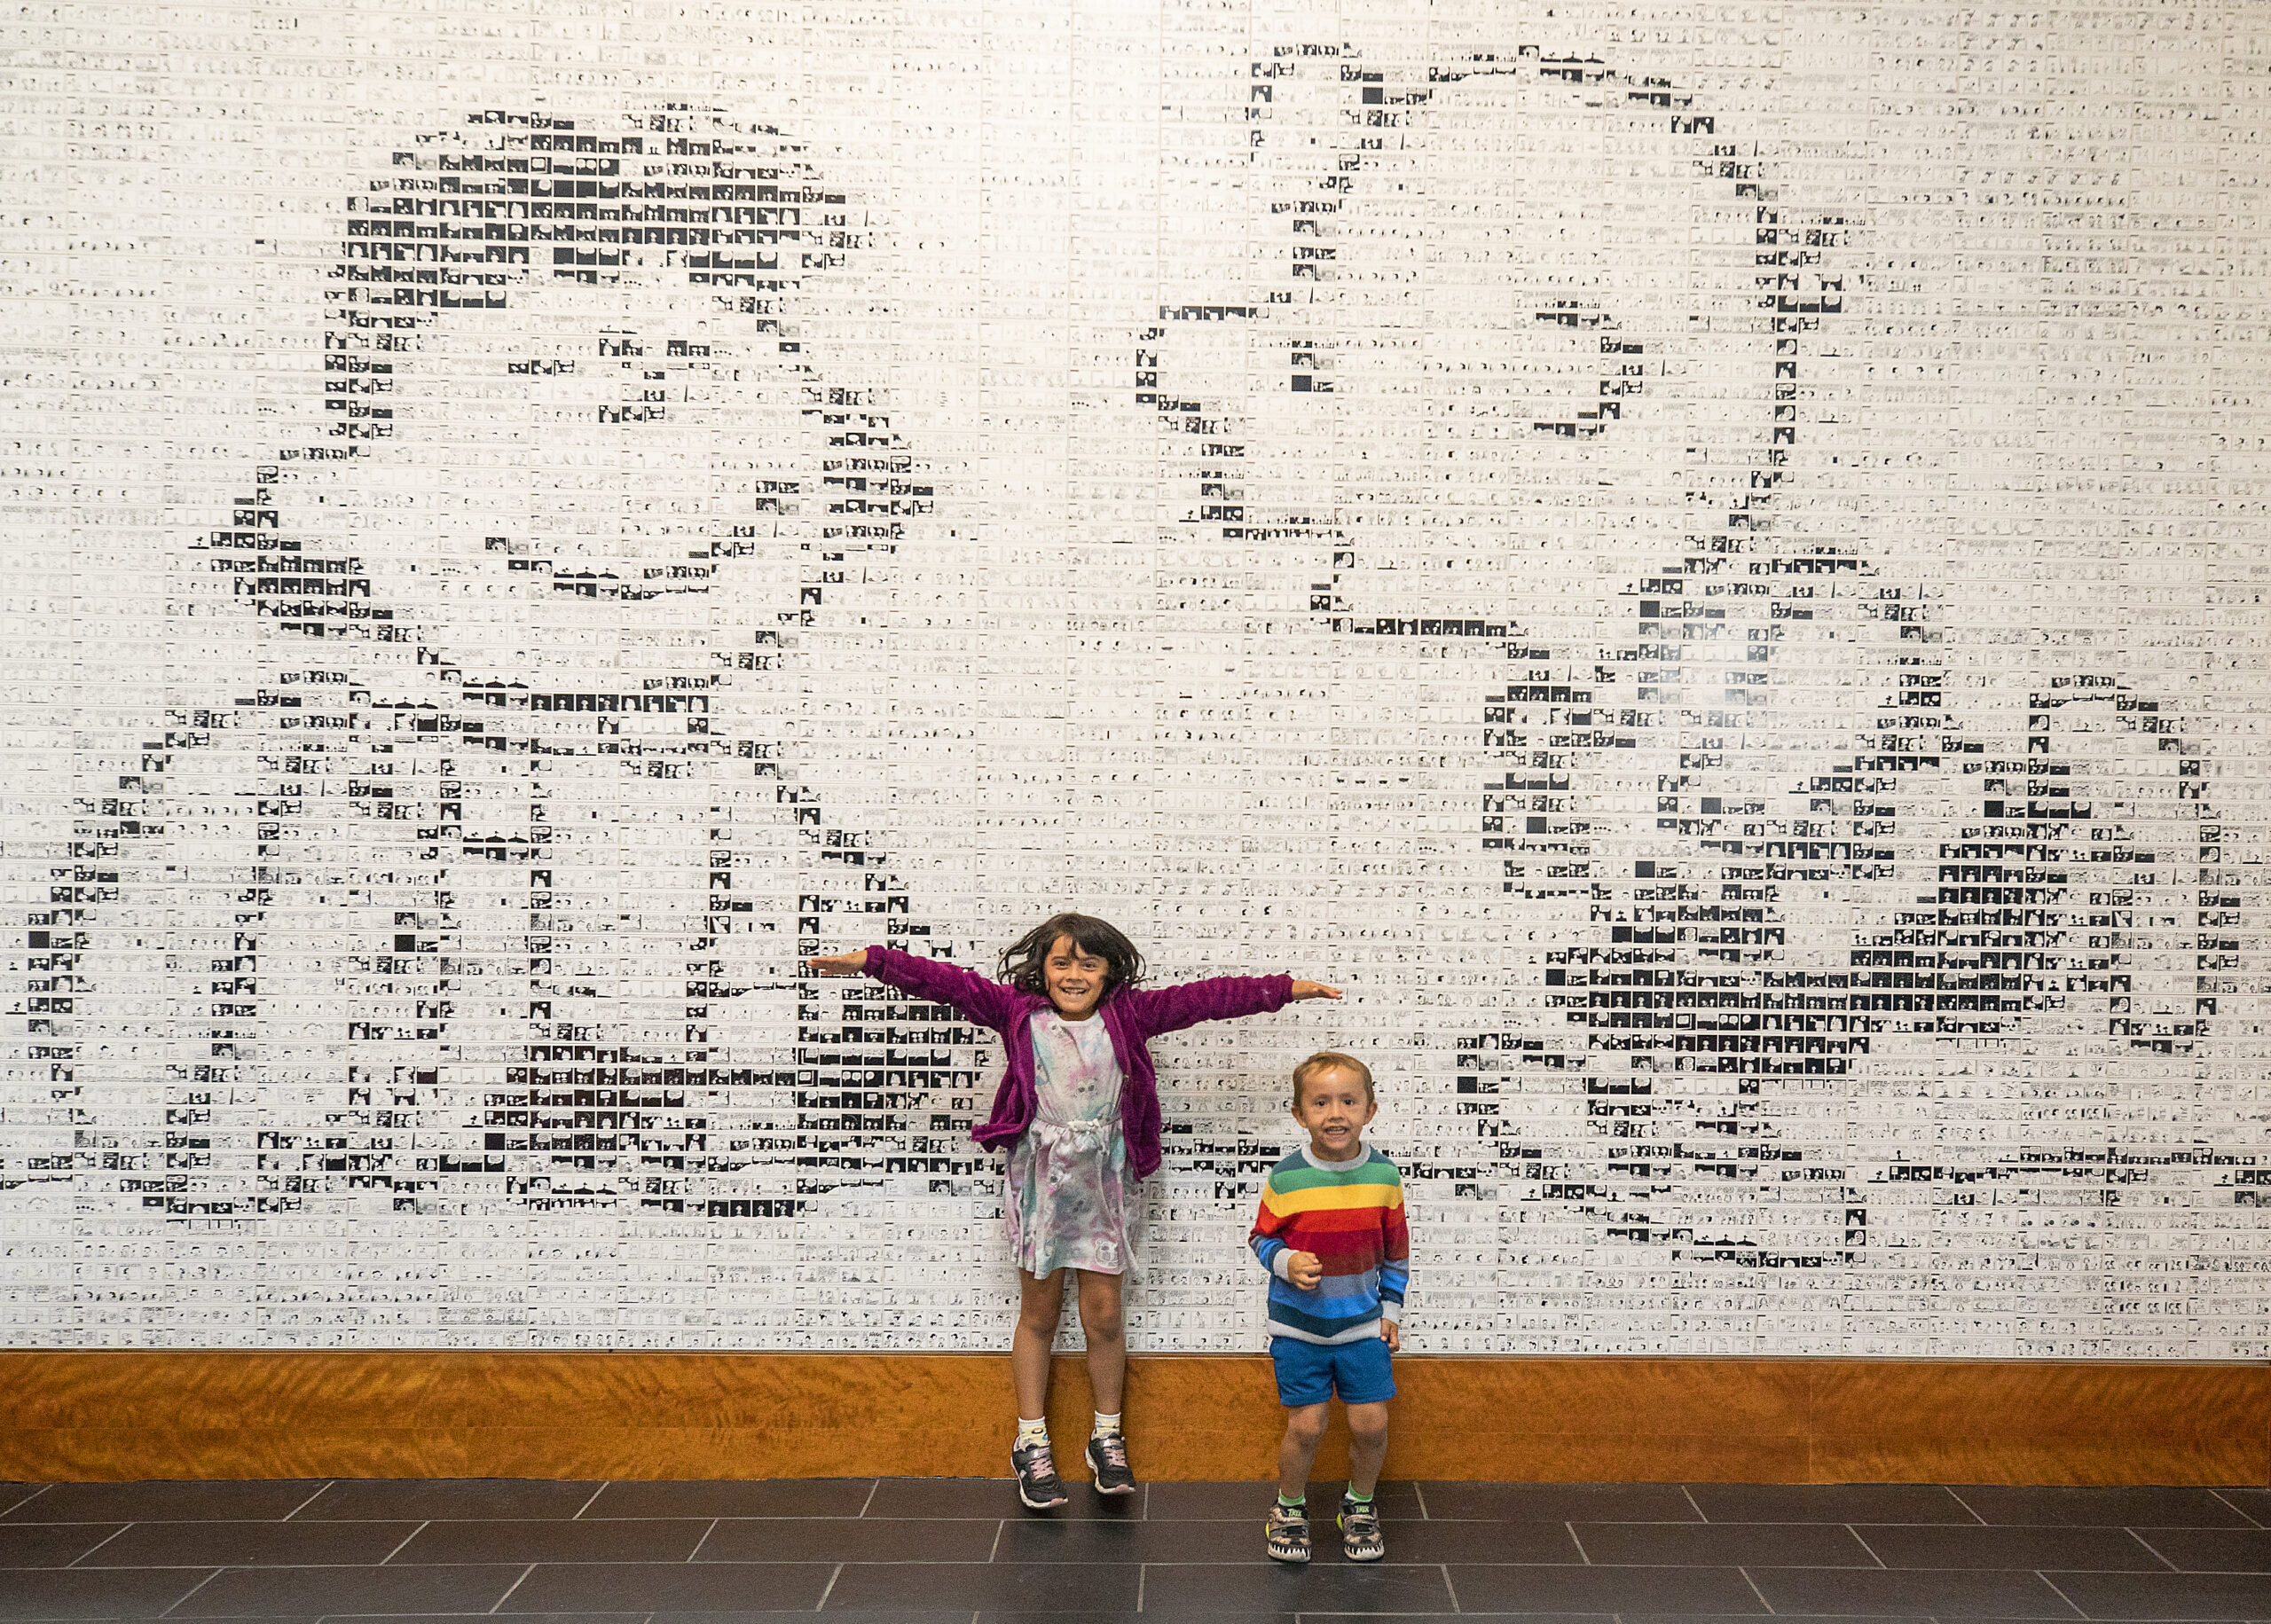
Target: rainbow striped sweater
[1351,1215]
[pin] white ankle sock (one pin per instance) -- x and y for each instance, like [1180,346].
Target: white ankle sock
[1104,1423]
[1032,1432]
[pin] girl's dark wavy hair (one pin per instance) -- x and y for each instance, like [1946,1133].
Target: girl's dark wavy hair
[1022,960]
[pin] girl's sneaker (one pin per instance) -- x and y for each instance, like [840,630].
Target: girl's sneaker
[1287,1532]
[1108,1460]
[1360,1531]
[1038,1484]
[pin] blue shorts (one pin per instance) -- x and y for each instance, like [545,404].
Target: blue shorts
[1310,1373]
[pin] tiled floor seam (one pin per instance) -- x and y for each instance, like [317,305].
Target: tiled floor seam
[322,1489]
[2060,1595]
[830,1589]
[105,1540]
[515,1585]
[397,1551]
[193,1590]
[587,1504]
[707,1535]
[1754,1591]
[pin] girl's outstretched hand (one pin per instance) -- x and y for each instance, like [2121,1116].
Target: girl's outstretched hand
[1303,990]
[851,964]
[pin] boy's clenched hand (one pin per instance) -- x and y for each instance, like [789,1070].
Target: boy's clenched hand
[1303,1270]
[1393,1335]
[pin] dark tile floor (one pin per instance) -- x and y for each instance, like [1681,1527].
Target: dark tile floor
[935,1549]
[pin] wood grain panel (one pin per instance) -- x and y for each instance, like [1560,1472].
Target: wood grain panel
[118,1416]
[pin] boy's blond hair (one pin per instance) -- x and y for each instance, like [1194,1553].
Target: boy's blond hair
[1327,1059]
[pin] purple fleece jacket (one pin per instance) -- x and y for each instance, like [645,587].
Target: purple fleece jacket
[1132,1014]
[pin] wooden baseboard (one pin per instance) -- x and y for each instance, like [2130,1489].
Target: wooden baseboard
[124,1415]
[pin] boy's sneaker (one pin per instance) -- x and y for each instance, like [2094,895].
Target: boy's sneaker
[1108,1460]
[1287,1532]
[1038,1484]
[1360,1531]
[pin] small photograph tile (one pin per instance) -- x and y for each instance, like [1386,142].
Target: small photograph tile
[2208,1550]
[2112,1549]
[1244,1588]
[72,1592]
[1829,1502]
[555,1540]
[2101,1507]
[861,1539]
[991,1500]
[51,1544]
[250,1544]
[1681,1590]
[1555,1502]
[164,1501]
[1722,1545]
[1198,1501]
[672,1587]
[2167,1596]
[730,1497]
[421,1499]
[1847,1592]
[272,1592]
[996,1586]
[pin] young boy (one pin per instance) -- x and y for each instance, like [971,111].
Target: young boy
[1331,1231]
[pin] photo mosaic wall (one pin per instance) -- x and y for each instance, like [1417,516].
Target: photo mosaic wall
[1705,562]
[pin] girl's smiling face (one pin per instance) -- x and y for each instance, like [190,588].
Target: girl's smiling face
[1077,980]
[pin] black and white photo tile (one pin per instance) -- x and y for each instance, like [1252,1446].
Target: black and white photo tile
[1705,562]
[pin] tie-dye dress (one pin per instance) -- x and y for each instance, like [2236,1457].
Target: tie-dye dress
[1071,1188]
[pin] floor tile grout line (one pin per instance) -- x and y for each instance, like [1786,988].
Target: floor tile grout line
[97,1545]
[1874,1555]
[2154,1549]
[2241,1509]
[1583,1555]
[993,1552]
[587,1504]
[1141,1573]
[1449,1589]
[706,1535]
[829,1589]
[28,1499]
[1754,1591]
[322,1489]
[874,1487]
[1693,1504]
[406,1538]
[2080,1611]
[1426,1516]
[515,1585]
[193,1590]
[1966,1506]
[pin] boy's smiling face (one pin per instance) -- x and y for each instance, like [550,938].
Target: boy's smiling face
[1335,1107]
